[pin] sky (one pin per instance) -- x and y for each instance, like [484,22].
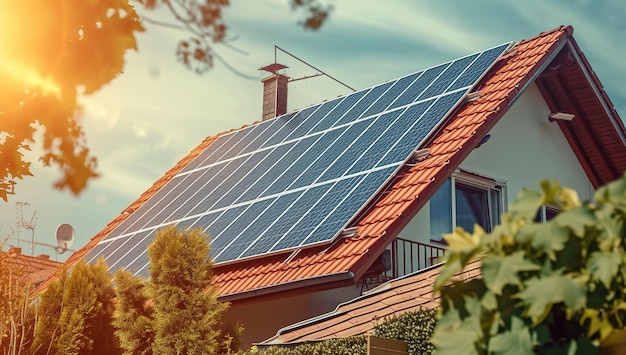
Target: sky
[157,111]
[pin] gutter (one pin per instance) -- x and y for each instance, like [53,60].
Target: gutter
[296,284]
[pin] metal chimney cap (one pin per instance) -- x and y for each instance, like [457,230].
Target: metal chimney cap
[273,68]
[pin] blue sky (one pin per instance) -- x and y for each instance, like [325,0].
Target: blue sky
[141,124]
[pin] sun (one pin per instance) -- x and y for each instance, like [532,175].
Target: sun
[25,41]
[29,78]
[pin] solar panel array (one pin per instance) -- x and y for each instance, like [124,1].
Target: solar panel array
[298,179]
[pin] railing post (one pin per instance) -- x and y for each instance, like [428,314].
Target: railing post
[420,256]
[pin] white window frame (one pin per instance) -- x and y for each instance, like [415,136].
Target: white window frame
[543,212]
[496,188]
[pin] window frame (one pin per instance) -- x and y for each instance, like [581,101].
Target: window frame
[545,210]
[495,192]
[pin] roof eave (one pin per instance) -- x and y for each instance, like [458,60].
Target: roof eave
[314,282]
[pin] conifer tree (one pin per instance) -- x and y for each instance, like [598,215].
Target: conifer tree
[186,317]
[48,310]
[76,312]
[133,315]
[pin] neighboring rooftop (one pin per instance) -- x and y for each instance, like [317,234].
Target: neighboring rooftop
[35,268]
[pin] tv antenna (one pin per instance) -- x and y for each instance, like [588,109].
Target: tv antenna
[22,223]
[272,68]
[65,235]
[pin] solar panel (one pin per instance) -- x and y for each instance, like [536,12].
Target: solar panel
[297,180]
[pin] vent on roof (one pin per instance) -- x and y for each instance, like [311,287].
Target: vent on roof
[348,232]
[473,96]
[420,154]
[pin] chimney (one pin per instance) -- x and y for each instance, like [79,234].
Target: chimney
[43,257]
[274,91]
[14,251]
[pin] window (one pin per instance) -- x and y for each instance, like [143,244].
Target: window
[464,200]
[546,213]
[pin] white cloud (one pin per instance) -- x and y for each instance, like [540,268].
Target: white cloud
[139,131]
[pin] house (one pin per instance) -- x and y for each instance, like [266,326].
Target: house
[450,146]
[32,269]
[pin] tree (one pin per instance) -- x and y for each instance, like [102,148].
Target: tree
[75,313]
[557,287]
[16,320]
[176,308]
[133,314]
[52,52]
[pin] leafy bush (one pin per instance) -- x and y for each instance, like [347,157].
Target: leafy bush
[554,287]
[413,327]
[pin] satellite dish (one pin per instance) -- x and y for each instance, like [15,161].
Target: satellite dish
[65,237]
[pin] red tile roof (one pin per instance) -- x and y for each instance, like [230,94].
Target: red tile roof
[34,268]
[357,316]
[347,259]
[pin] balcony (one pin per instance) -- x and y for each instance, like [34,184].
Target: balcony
[404,257]
[408,256]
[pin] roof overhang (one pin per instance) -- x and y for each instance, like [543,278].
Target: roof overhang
[305,285]
[596,133]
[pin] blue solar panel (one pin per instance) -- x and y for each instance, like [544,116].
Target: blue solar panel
[246,238]
[294,171]
[297,180]
[318,213]
[390,95]
[357,110]
[274,173]
[274,234]
[338,112]
[315,117]
[316,168]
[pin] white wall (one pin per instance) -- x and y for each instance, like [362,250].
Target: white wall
[524,148]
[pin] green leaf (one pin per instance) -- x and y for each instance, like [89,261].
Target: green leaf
[489,301]
[551,190]
[576,219]
[551,238]
[461,241]
[604,266]
[466,331]
[526,204]
[545,237]
[517,341]
[499,271]
[614,192]
[451,267]
[541,294]
[569,199]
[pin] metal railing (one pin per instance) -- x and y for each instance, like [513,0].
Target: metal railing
[408,256]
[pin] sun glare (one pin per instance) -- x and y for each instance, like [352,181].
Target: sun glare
[31,78]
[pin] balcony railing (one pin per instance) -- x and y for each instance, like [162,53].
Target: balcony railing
[408,256]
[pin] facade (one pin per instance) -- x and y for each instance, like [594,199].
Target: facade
[507,134]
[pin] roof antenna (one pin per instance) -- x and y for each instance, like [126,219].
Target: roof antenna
[272,68]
